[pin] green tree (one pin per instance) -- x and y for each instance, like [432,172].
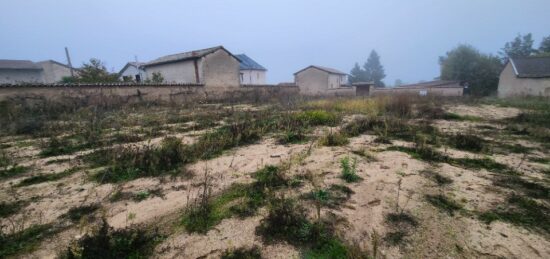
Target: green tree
[356,74]
[95,72]
[157,78]
[480,71]
[520,47]
[544,48]
[374,71]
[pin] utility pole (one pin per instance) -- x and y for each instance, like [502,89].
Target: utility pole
[69,61]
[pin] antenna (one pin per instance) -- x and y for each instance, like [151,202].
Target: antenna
[69,61]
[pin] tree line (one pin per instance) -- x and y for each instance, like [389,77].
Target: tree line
[464,63]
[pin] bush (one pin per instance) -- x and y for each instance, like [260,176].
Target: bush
[467,142]
[24,241]
[318,118]
[77,213]
[110,243]
[334,139]
[349,172]
[242,253]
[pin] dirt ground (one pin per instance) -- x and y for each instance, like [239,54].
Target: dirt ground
[393,181]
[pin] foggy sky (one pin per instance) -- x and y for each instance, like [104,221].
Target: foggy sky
[283,35]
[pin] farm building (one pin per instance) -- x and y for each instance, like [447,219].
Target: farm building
[251,73]
[438,87]
[317,80]
[213,67]
[525,77]
[132,71]
[28,72]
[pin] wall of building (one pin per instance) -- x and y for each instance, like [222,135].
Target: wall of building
[510,85]
[253,77]
[53,73]
[220,70]
[16,76]
[131,72]
[312,81]
[178,72]
[335,81]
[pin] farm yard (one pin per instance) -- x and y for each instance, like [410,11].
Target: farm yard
[384,177]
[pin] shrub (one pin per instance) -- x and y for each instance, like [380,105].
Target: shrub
[110,243]
[9,208]
[318,118]
[467,142]
[349,172]
[333,139]
[242,253]
[399,105]
[77,213]
[291,137]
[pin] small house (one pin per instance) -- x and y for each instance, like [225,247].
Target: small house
[525,77]
[251,73]
[28,72]
[323,81]
[213,67]
[132,71]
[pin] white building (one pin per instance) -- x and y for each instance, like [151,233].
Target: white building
[28,72]
[132,71]
[251,73]
[213,67]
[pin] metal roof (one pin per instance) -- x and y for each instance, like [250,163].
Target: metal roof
[196,54]
[19,64]
[249,64]
[531,67]
[326,69]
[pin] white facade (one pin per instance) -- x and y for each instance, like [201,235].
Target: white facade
[18,76]
[133,73]
[253,77]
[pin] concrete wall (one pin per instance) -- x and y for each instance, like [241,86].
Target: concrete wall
[177,72]
[429,91]
[53,73]
[335,81]
[510,85]
[253,77]
[17,76]
[220,70]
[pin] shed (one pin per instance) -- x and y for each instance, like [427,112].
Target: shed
[525,77]
[324,81]
[251,73]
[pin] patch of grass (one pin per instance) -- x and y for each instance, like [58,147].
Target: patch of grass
[400,224]
[239,200]
[145,194]
[128,163]
[76,213]
[58,161]
[333,139]
[457,117]
[365,154]
[349,171]
[9,208]
[529,188]
[242,253]
[36,179]
[467,142]
[13,171]
[291,137]
[332,197]
[540,160]
[444,203]
[521,211]
[110,243]
[24,241]
[438,178]
[318,118]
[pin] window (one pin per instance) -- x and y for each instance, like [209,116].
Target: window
[242,77]
[138,78]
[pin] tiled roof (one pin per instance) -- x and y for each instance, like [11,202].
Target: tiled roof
[18,64]
[326,69]
[249,64]
[532,67]
[185,56]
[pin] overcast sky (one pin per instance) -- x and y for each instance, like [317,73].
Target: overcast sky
[282,35]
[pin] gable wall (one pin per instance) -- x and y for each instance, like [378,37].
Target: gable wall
[510,85]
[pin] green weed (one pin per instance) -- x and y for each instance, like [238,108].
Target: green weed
[349,171]
[444,203]
[36,179]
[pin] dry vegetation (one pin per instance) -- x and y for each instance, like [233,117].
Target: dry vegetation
[325,178]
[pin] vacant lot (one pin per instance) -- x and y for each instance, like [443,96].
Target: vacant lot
[330,178]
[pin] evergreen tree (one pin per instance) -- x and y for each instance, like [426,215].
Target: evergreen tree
[520,47]
[544,49]
[356,74]
[374,71]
